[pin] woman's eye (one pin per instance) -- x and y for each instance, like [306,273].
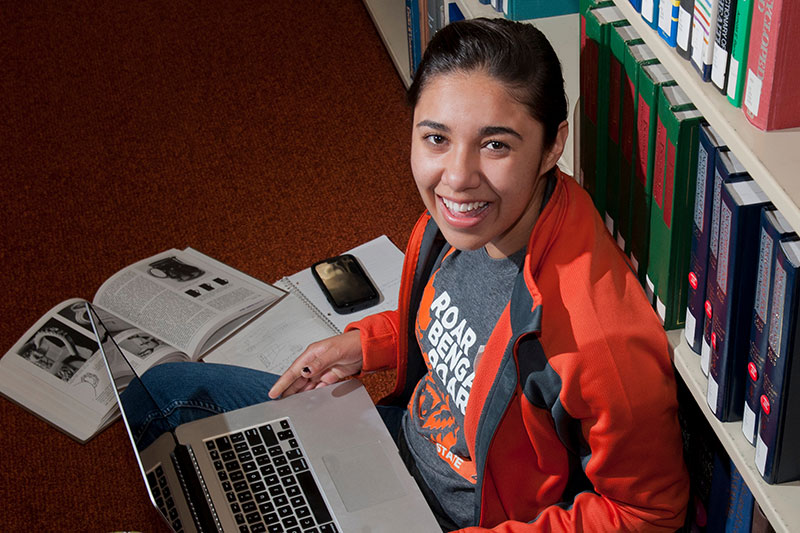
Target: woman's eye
[435,139]
[496,146]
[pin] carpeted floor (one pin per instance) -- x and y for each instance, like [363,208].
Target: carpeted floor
[265,134]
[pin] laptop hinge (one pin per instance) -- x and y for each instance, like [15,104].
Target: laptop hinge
[198,498]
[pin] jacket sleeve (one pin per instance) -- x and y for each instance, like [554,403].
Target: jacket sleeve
[379,340]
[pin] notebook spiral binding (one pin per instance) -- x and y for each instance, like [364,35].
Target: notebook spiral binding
[287,285]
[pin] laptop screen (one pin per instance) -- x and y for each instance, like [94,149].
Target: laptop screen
[123,376]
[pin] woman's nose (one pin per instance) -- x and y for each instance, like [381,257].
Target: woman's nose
[462,169]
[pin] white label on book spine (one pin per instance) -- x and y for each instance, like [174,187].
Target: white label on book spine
[650,289]
[711,394]
[761,455]
[748,423]
[752,95]
[733,77]
[705,357]
[690,328]
[609,224]
[621,241]
[700,187]
[665,16]
[762,278]
[647,10]
[684,25]
[661,310]
[719,65]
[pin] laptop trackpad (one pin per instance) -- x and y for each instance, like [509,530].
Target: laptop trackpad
[363,476]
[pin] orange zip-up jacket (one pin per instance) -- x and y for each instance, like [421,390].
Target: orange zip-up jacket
[572,417]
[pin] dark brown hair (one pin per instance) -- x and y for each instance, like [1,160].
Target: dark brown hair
[514,53]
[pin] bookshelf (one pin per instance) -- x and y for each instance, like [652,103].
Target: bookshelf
[772,159]
[389,17]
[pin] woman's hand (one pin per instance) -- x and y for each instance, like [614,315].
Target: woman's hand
[322,363]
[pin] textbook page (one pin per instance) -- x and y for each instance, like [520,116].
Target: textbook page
[184,298]
[56,370]
[277,337]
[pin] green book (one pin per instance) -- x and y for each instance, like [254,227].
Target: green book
[594,141]
[739,49]
[587,89]
[619,48]
[652,76]
[672,206]
[636,56]
[620,37]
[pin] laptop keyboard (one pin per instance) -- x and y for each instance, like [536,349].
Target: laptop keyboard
[161,493]
[267,481]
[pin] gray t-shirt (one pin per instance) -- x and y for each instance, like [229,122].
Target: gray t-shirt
[459,309]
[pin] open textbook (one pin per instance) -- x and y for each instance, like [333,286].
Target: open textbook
[173,306]
[177,305]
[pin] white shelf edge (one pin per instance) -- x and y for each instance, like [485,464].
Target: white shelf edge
[771,158]
[781,502]
[389,17]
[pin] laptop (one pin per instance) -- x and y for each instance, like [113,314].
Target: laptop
[320,461]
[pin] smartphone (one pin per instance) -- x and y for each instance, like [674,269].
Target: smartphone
[345,284]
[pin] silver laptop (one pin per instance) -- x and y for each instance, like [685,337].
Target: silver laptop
[320,461]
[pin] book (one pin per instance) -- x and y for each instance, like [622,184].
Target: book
[683,39]
[731,503]
[704,28]
[637,4]
[668,11]
[176,305]
[726,169]
[637,56]
[760,523]
[619,37]
[732,292]
[778,440]
[709,143]
[588,84]
[534,9]
[723,44]
[772,88]
[414,36]
[275,339]
[774,228]
[651,78]
[672,204]
[649,11]
[598,22]
[620,42]
[738,61]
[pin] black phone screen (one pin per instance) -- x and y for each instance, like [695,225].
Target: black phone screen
[345,284]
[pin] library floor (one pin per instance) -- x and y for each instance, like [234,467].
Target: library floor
[268,135]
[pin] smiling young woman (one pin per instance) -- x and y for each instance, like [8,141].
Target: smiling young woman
[534,386]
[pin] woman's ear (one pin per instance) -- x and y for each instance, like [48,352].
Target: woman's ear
[552,155]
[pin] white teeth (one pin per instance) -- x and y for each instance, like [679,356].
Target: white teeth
[462,208]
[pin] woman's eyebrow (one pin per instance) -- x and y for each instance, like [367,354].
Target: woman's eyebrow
[488,131]
[433,125]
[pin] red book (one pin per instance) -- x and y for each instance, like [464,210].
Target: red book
[772,88]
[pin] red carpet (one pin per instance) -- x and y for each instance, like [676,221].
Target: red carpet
[266,134]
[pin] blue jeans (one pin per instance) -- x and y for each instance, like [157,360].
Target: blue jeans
[182,392]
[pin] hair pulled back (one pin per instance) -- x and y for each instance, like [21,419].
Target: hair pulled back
[514,53]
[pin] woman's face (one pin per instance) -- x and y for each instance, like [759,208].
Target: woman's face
[477,159]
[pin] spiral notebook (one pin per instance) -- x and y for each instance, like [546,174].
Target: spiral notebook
[273,340]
